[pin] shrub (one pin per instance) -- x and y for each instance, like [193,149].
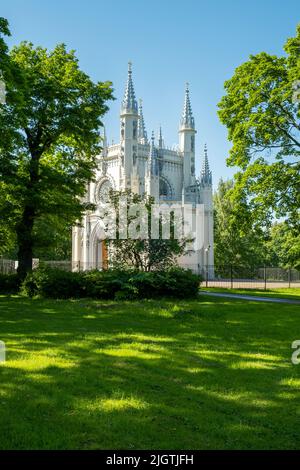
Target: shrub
[104,284]
[53,283]
[176,282]
[111,284]
[9,284]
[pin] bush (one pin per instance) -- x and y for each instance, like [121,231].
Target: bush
[104,284]
[9,284]
[111,284]
[176,282]
[53,283]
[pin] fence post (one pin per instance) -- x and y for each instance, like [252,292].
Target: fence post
[206,283]
[265,277]
[231,277]
[289,277]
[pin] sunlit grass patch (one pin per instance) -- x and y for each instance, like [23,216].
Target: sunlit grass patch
[200,374]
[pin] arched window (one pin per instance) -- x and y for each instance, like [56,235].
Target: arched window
[165,190]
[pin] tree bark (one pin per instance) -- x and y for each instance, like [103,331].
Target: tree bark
[25,242]
[24,228]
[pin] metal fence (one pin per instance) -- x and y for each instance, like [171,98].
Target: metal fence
[230,276]
[260,277]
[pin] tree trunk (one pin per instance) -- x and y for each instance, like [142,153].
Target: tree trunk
[25,242]
[24,228]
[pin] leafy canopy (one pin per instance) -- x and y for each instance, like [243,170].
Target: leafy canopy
[261,111]
[236,243]
[49,140]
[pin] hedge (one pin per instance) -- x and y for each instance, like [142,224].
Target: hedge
[9,284]
[111,284]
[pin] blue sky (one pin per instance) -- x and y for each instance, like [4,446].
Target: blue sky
[169,42]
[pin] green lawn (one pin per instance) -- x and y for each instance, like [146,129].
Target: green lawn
[206,374]
[285,293]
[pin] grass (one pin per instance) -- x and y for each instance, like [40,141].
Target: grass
[205,374]
[292,293]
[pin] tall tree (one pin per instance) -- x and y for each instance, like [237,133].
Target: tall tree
[49,140]
[4,57]
[6,76]
[235,243]
[283,247]
[261,109]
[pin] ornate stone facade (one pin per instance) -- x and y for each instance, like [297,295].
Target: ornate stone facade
[148,167]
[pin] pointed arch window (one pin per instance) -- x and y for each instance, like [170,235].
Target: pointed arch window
[165,190]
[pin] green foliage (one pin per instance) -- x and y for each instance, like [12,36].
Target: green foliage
[104,284]
[175,282]
[263,122]
[145,254]
[110,284]
[9,283]
[238,240]
[284,244]
[52,238]
[53,283]
[49,140]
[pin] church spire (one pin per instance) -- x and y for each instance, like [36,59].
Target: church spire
[142,133]
[129,103]
[104,138]
[205,175]
[153,163]
[160,138]
[187,119]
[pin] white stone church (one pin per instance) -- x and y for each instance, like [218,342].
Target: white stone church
[147,166]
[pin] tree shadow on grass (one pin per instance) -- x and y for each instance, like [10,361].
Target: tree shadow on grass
[158,374]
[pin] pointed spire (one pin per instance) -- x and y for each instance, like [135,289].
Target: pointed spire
[104,137]
[153,163]
[142,133]
[187,119]
[129,103]
[104,142]
[160,139]
[205,175]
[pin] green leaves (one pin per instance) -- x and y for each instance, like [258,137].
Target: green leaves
[145,254]
[238,239]
[49,137]
[284,243]
[264,126]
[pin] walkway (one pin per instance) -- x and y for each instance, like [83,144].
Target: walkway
[251,297]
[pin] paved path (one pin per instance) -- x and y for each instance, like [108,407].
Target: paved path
[244,284]
[251,297]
